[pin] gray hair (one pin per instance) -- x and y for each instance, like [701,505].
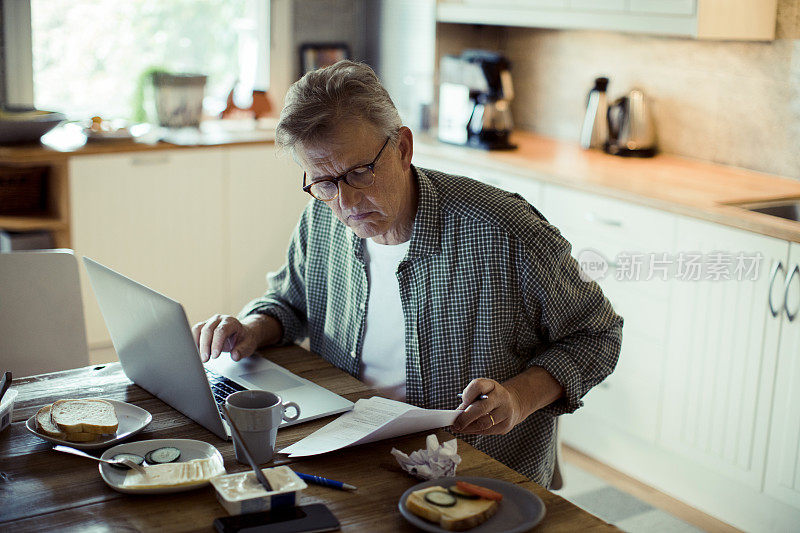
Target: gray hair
[322,99]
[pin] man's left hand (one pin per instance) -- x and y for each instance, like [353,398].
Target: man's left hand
[496,415]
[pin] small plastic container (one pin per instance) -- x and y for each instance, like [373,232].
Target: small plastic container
[7,408]
[241,493]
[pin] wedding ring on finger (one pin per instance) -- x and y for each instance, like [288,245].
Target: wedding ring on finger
[492,419]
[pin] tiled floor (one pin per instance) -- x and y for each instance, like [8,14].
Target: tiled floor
[616,507]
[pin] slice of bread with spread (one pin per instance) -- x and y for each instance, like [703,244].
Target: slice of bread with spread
[46,426]
[84,416]
[458,514]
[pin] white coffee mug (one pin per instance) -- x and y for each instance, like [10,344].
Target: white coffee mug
[257,415]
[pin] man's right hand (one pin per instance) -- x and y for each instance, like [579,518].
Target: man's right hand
[212,336]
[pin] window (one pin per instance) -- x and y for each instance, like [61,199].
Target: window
[90,56]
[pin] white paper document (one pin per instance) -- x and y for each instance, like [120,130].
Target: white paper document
[372,419]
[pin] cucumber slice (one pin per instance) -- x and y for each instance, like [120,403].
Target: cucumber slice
[455,491]
[162,455]
[138,459]
[440,498]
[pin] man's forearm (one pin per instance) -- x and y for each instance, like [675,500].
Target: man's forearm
[265,329]
[534,389]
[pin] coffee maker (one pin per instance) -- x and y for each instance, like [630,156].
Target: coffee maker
[474,100]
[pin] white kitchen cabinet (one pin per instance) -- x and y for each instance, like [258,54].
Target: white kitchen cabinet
[264,206]
[159,218]
[783,464]
[629,399]
[749,20]
[720,363]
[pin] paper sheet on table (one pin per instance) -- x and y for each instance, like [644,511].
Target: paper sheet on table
[370,420]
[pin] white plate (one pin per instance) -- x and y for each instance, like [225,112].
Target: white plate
[190,449]
[520,510]
[132,420]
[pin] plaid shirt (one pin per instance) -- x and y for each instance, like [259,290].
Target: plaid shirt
[488,289]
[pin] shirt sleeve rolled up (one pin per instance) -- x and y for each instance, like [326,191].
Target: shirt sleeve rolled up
[581,332]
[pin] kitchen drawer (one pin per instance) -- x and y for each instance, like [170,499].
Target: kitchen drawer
[527,4]
[599,5]
[663,7]
[526,187]
[629,269]
[641,229]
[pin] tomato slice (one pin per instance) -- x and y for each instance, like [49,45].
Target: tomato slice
[483,492]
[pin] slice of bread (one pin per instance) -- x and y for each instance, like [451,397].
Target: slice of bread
[46,426]
[84,416]
[465,514]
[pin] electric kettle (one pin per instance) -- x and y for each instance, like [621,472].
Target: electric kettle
[631,131]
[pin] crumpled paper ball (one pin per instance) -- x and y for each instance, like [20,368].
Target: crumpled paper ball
[435,461]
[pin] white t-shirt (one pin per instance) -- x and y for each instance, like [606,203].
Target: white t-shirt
[383,352]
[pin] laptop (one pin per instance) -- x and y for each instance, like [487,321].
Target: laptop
[156,348]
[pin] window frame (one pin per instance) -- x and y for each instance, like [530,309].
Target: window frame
[17,54]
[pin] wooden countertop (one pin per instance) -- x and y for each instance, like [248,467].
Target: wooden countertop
[69,144]
[43,490]
[678,185]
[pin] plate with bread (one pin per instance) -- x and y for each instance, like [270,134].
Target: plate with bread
[475,504]
[88,423]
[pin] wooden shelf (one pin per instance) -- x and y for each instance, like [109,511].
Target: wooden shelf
[29,223]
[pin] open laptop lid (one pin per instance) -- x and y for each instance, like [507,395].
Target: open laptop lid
[154,342]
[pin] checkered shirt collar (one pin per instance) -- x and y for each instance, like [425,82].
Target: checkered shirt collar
[426,235]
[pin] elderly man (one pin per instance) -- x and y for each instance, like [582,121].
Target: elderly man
[425,285]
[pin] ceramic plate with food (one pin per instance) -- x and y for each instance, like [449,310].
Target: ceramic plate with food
[459,502]
[87,431]
[172,465]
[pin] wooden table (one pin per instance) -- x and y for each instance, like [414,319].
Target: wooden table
[47,490]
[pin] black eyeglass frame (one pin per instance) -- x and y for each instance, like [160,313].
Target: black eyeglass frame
[343,177]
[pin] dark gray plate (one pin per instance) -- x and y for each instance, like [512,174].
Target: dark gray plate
[519,511]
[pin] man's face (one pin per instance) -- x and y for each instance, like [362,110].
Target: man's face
[377,210]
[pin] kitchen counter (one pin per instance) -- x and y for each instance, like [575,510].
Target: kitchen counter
[678,185]
[65,142]
[670,183]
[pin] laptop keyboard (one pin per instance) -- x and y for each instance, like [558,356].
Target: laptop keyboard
[222,387]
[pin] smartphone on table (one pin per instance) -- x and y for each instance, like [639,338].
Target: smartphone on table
[305,518]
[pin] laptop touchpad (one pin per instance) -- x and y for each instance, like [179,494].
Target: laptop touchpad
[271,380]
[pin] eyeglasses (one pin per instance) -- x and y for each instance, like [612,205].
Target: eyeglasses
[359,177]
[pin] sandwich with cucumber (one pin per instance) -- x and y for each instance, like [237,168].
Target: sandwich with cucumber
[455,508]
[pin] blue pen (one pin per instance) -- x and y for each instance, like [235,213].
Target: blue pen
[325,482]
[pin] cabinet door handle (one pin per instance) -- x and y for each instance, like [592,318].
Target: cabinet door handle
[778,266]
[791,316]
[594,217]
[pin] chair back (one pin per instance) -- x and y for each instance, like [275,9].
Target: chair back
[41,314]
